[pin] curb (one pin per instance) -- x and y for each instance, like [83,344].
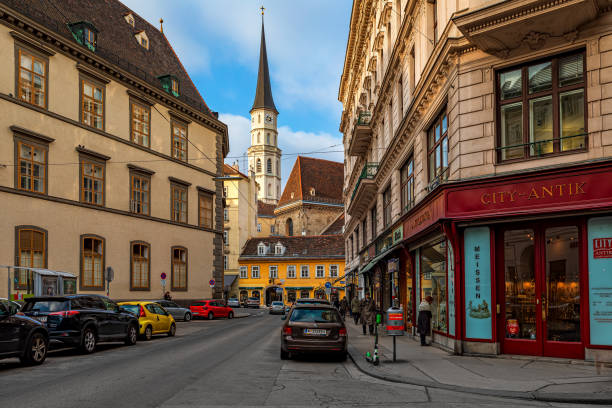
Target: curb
[577,398]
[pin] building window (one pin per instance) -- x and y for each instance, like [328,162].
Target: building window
[224,191]
[271,229]
[320,271]
[407,185]
[92,181]
[364,231]
[269,168]
[225,262]
[261,249]
[178,206]
[145,43]
[374,221]
[169,83]
[92,262]
[140,124]
[258,166]
[179,268]
[304,294]
[357,236]
[333,271]
[387,207]
[32,80]
[243,272]
[273,272]
[433,282]
[225,237]
[542,108]
[179,141]
[225,214]
[92,103]
[278,249]
[437,147]
[31,253]
[258,227]
[32,160]
[206,209]
[140,193]
[290,271]
[141,266]
[175,86]
[289,227]
[304,271]
[255,272]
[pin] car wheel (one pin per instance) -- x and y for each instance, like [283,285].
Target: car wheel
[132,335]
[172,330]
[148,333]
[230,315]
[88,342]
[187,317]
[211,316]
[36,350]
[284,355]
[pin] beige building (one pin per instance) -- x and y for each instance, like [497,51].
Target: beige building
[266,221]
[477,143]
[109,157]
[239,221]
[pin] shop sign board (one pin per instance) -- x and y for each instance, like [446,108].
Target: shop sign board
[451,289]
[398,234]
[600,281]
[424,217]
[478,320]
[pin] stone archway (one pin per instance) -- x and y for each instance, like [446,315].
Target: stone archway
[273,293]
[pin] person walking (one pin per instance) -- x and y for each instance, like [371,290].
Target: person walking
[368,314]
[343,307]
[355,309]
[424,319]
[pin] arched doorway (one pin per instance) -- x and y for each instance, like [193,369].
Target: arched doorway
[273,294]
[244,294]
[289,227]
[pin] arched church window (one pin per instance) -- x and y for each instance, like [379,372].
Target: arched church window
[269,166]
[289,227]
[258,166]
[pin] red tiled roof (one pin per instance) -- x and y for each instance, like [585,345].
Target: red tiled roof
[318,246]
[326,177]
[335,227]
[265,209]
[230,171]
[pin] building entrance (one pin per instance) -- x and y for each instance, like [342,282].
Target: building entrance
[539,276]
[273,294]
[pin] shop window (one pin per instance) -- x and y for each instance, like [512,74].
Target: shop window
[255,272]
[541,108]
[437,148]
[92,262]
[140,266]
[140,123]
[304,294]
[407,185]
[387,207]
[31,253]
[179,268]
[32,78]
[291,296]
[433,282]
[92,103]
[291,271]
[179,141]
[244,274]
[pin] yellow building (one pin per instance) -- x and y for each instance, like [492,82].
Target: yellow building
[289,268]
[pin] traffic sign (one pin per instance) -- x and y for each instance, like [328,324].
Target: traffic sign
[163,275]
[327,285]
[211,283]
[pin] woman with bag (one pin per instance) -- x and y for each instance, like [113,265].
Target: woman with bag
[424,319]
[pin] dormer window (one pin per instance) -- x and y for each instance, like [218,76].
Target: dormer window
[170,83]
[142,39]
[130,19]
[85,33]
[279,249]
[312,191]
[261,249]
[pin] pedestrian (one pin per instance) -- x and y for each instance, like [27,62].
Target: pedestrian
[368,314]
[343,307]
[167,296]
[336,304]
[424,319]
[355,309]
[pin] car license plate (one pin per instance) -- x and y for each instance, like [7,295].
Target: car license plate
[42,319]
[315,332]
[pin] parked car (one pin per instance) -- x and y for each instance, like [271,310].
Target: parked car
[210,309]
[277,307]
[177,311]
[312,301]
[233,302]
[21,336]
[252,302]
[152,318]
[82,321]
[313,328]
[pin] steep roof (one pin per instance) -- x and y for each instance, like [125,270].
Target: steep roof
[116,41]
[263,94]
[300,247]
[230,171]
[326,177]
[265,210]
[335,227]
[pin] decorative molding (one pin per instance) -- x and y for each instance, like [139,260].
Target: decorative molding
[88,152]
[26,132]
[535,39]
[92,73]
[179,181]
[140,169]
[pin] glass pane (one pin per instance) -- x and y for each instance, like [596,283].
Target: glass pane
[540,77]
[438,158]
[26,61]
[562,302]
[87,90]
[541,125]
[571,70]
[437,132]
[433,272]
[510,84]
[445,152]
[39,68]
[444,124]
[571,106]
[520,296]
[432,166]
[512,131]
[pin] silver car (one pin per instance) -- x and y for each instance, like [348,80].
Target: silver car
[233,302]
[178,312]
[277,307]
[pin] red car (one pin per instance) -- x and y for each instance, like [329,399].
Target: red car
[210,309]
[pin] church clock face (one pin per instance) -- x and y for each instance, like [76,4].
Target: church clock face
[268,118]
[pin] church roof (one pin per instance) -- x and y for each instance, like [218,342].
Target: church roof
[265,210]
[335,227]
[309,175]
[263,94]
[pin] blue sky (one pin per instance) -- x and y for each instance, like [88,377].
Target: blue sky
[218,42]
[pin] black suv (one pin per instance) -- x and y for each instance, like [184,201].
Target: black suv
[21,336]
[83,320]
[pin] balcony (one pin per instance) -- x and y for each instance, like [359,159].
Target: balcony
[362,134]
[364,192]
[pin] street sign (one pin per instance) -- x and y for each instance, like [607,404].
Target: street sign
[327,285]
[163,275]
[211,283]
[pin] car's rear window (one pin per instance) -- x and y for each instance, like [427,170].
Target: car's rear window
[198,304]
[315,316]
[277,303]
[132,308]
[46,306]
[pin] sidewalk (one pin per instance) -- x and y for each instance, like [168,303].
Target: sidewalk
[553,380]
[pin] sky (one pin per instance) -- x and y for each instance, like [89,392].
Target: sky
[218,43]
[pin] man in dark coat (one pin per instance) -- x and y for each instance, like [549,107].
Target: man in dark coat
[368,314]
[424,319]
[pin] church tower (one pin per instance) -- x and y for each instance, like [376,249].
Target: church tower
[264,154]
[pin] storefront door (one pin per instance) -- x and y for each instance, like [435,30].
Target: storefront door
[539,290]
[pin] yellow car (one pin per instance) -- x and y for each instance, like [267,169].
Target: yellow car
[152,318]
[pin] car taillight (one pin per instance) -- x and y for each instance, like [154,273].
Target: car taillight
[342,332]
[287,331]
[66,313]
[141,312]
